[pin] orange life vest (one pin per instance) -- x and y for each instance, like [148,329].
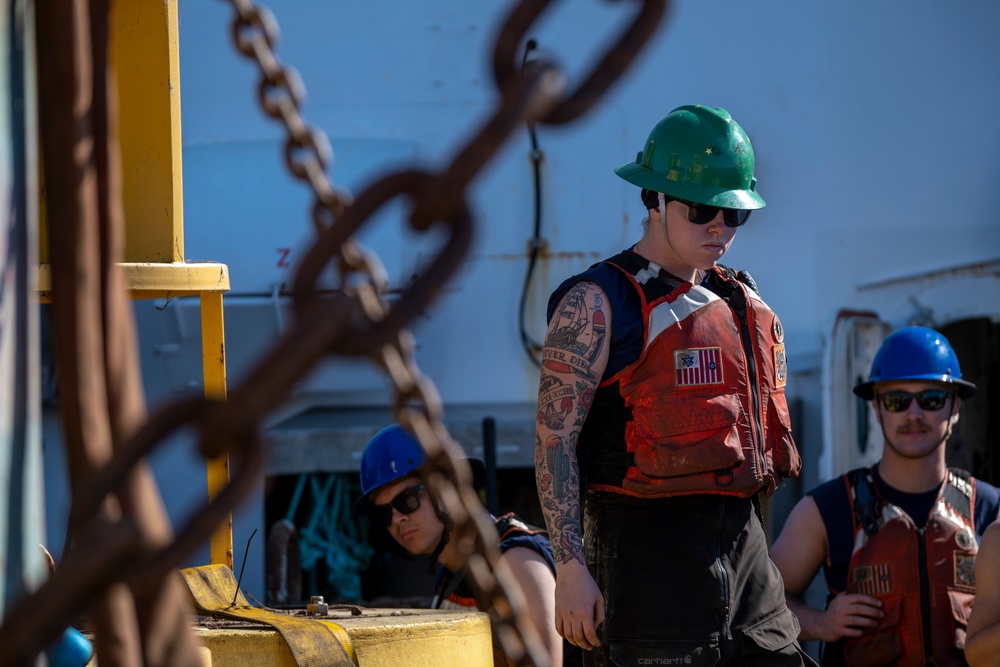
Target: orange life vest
[706,398]
[925,578]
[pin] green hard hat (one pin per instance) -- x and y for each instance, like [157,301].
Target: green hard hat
[699,154]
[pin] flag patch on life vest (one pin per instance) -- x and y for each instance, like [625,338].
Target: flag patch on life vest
[700,365]
[780,366]
[873,579]
[965,570]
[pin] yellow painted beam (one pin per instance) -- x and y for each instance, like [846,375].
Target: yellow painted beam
[145,59]
[149,280]
[213,360]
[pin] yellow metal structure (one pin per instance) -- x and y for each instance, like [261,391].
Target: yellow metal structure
[146,60]
[144,55]
[213,362]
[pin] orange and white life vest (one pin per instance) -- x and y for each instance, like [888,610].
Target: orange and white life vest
[925,577]
[705,400]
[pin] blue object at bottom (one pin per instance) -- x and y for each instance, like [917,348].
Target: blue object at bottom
[72,650]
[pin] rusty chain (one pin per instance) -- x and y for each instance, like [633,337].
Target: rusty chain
[356,320]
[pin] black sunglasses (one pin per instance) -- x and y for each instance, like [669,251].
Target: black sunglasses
[406,501]
[701,214]
[930,400]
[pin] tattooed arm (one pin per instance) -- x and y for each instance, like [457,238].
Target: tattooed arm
[573,361]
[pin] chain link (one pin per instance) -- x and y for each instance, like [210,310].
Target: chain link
[282,94]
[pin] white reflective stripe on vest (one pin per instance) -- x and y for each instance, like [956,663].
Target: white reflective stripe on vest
[667,314]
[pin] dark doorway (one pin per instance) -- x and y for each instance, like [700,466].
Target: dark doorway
[972,446]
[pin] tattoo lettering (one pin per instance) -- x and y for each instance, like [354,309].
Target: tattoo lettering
[555,401]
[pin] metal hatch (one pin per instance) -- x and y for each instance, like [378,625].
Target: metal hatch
[851,434]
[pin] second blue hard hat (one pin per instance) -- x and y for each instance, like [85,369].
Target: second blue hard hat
[917,354]
[391,454]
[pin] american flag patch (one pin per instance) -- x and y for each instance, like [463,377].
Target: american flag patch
[873,579]
[701,365]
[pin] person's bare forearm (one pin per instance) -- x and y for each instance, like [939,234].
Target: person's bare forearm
[809,618]
[557,476]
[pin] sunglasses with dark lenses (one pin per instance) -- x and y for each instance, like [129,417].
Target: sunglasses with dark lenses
[701,214]
[929,399]
[406,501]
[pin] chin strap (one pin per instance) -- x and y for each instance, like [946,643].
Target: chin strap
[663,215]
[445,535]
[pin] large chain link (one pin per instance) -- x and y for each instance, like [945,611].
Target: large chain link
[356,320]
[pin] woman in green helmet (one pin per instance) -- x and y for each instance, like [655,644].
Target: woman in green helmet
[662,417]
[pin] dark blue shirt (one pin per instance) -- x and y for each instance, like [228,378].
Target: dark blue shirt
[458,591]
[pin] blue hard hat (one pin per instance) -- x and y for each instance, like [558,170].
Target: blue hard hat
[915,353]
[391,454]
[72,649]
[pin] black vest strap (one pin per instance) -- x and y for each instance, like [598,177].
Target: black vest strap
[958,492]
[868,505]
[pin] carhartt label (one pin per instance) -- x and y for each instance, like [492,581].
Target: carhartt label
[686,660]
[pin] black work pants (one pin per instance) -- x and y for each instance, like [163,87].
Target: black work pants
[687,581]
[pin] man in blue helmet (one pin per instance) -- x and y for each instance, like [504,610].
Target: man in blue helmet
[394,498]
[897,542]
